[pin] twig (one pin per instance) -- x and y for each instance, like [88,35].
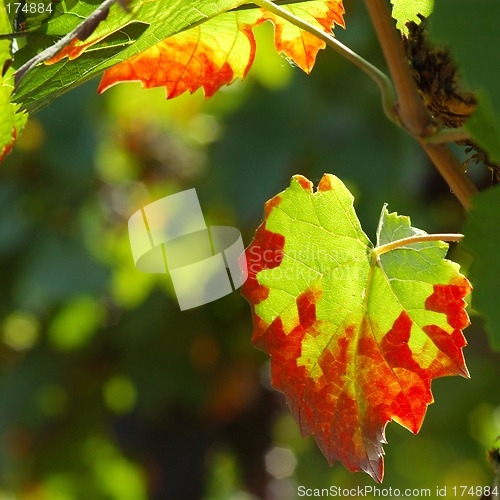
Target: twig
[381,79]
[82,31]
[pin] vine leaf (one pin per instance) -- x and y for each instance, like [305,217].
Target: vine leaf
[11,121]
[355,337]
[405,11]
[180,44]
[222,49]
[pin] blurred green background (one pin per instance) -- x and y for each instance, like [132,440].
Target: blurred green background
[107,389]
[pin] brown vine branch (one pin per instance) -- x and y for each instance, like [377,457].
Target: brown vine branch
[413,114]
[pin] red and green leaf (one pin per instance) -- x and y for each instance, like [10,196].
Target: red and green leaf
[11,121]
[182,45]
[222,49]
[355,337]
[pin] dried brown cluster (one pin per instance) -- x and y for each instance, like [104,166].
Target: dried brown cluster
[437,78]
[440,86]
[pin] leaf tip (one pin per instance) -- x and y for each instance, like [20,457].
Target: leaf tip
[326,183]
[303,182]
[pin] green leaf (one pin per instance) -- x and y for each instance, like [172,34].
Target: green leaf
[482,238]
[11,121]
[405,11]
[47,82]
[355,333]
[120,36]
[468,28]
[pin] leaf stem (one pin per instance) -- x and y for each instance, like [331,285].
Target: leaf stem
[419,238]
[448,135]
[380,78]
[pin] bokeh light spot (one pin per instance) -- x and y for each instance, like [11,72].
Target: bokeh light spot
[120,394]
[280,462]
[20,330]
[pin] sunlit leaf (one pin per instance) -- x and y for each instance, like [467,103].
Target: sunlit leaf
[355,337]
[222,49]
[11,121]
[405,11]
[179,44]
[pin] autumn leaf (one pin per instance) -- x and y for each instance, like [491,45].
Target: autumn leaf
[222,49]
[11,121]
[180,44]
[355,333]
[122,35]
